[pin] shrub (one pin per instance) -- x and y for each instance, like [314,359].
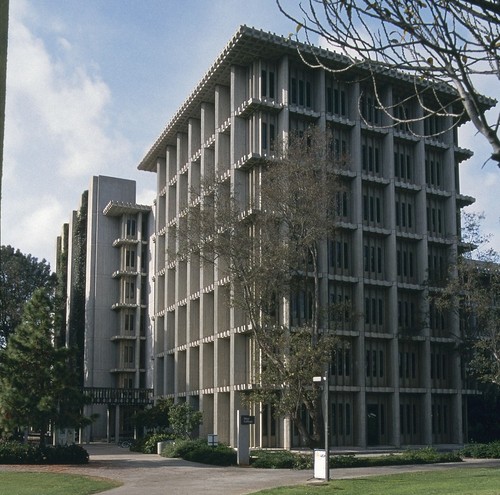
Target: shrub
[282,459]
[482,450]
[148,444]
[19,453]
[66,454]
[26,453]
[200,451]
[421,456]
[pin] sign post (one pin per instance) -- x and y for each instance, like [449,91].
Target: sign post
[244,422]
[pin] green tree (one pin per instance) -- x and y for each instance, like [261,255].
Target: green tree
[155,418]
[473,290]
[269,247]
[37,385]
[455,42]
[183,419]
[20,276]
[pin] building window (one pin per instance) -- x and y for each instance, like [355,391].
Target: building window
[375,363]
[437,321]
[371,155]
[301,87]
[408,360]
[341,362]
[435,217]
[129,322]
[434,125]
[130,259]
[405,212]
[434,169]
[129,290]
[374,310]
[403,162]
[131,227]
[336,96]
[406,262]
[403,113]
[339,255]
[339,140]
[408,312]
[267,133]
[373,258]
[437,259]
[369,107]
[373,206]
[340,311]
[128,355]
[267,83]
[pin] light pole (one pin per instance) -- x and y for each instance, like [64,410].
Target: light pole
[326,415]
[326,393]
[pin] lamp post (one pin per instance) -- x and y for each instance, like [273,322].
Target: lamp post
[326,415]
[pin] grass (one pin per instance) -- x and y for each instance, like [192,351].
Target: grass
[456,481]
[22,483]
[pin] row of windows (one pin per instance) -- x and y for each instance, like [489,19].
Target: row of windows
[341,365]
[341,418]
[301,84]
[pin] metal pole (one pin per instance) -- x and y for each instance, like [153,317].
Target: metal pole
[326,393]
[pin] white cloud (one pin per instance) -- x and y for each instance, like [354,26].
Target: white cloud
[57,135]
[66,102]
[34,228]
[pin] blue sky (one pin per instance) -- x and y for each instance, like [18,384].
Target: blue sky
[90,86]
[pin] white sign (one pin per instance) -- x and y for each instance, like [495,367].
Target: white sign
[320,460]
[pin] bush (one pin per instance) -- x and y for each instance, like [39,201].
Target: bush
[482,450]
[200,451]
[282,459]
[421,456]
[26,453]
[66,454]
[148,444]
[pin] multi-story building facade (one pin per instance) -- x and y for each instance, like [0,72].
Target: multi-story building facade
[398,378]
[106,246]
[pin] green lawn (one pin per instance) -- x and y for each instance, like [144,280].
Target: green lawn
[460,481]
[20,483]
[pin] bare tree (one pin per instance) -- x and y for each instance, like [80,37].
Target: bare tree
[267,248]
[453,42]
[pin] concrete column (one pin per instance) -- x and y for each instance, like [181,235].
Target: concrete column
[117,423]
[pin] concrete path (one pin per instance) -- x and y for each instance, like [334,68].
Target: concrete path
[155,475]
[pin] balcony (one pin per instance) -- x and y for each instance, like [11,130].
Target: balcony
[119,396]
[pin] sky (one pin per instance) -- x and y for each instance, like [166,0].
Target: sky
[91,85]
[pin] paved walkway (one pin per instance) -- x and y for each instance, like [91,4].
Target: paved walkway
[156,475]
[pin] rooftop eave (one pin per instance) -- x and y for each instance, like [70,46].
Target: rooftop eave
[246,45]
[119,208]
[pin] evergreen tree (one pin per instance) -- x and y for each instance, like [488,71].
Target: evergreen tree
[37,385]
[20,276]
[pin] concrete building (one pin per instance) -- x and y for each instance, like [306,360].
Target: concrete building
[399,378]
[104,255]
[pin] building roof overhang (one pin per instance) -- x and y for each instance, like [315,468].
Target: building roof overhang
[249,44]
[119,208]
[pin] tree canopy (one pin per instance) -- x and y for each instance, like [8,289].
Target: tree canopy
[473,289]
[37,381]
[455,42]
[20,275]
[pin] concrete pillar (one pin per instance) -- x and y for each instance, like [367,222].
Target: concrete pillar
[117,423]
